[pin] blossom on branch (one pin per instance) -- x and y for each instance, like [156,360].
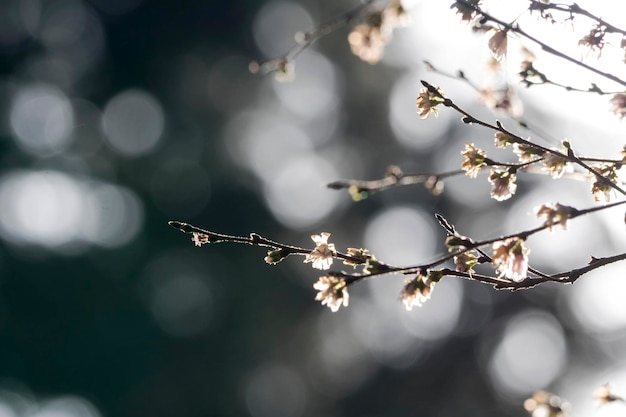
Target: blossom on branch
[510,257]
[333,292]
[467,12]
[502,140]
[417,290]
[594,40]
[360,256]
[527,153]
[465,262]
[427,102]
[394,16]
[275,256]
[199,239]
[604,394]
[555,213]
[368,40]
[322,255]
[601,187]
[285,71]
[555,165]
[618,105]
[474,159]
[502,184]
[498,44]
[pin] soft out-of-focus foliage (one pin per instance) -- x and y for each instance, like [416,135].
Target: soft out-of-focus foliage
[116,116]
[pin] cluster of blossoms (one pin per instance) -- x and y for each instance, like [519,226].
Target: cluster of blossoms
[546,404]
[502,181]
[333,287]
[368,40]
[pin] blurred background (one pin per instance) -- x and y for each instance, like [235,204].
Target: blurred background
[119,115]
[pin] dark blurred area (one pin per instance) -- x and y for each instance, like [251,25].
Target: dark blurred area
[119,115]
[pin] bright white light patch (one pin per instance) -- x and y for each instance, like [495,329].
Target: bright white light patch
[597,300]
[40,207]
[531,353]
[297,196]
[41,118]
[68,406]
[52,209]
[313,92]
[261,143]
[133,122]
[113,215]
[401,236]
[275,24]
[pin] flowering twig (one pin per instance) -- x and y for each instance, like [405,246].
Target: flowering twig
[569,156]
[367,39]
[516,29]
[461,76]
[306,39]
[531,76]
[510,259]
[202,236]
[359,189]
[574,9]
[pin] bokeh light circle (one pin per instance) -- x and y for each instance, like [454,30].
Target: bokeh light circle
[597,300]
[315,91]
[113,216]
[297,196]
[53,209]
[401,236]
[133,122]
[529,356]
[41,118]
[275,24]
[41,208]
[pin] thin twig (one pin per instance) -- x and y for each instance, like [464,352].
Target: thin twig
[517,29]
[570,156]
[306,39]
